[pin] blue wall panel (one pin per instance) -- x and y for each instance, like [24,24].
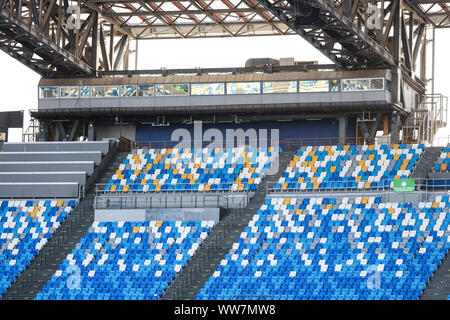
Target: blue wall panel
[287,129]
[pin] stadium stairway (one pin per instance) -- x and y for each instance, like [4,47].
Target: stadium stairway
[203,264]
[426,162]
[44,265]
[438,287]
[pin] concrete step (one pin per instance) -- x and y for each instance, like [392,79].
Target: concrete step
[438,287]
[46,262]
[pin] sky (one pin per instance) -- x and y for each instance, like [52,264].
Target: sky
[18,84]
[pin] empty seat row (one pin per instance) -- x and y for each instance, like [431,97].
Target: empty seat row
[349,166]
[25,227]
[443,162]
[334,248]
[126,260]
[189,169]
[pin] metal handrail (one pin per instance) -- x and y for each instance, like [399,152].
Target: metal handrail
[421,184]
[146,200]
[295,143]
[100,189]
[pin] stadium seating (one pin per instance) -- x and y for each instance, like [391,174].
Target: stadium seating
[443,163]
[334,248]
[25,227]
[349,166]
[126,260]
[207,169]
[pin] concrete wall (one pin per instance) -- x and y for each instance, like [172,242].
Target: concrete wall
[39,190]
[86,166]
[95,156]
[102,146]
[79,177]
[116,131]
[175,214]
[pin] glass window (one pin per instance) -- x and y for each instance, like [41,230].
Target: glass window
[180,89]
[355,84]
[163,89]
[145,90]
[68,92]
[348,85]
[280,87]
[335,85]
[362,84]
[207,89]
[105,91]
[314,85]
[127,91]
[85,91]
[377,84]
[243,87]
[48,92]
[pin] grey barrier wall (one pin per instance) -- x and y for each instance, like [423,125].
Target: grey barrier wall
[439,175]
[39,190]
[79,177]
[103,146]
[174,214]
[171,200]
[355,98]
[388,196]
[95,156]
[87,166]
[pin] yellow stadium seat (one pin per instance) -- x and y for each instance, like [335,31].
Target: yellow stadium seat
[329,206]
[391,210]
[59,203]
[284,186]
[158,187]
[158,223]
[135,230]
[444,167]
[207,187]
[367,184]
[298,211]
[287,201]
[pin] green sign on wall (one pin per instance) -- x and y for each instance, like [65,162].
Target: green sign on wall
[404,185]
